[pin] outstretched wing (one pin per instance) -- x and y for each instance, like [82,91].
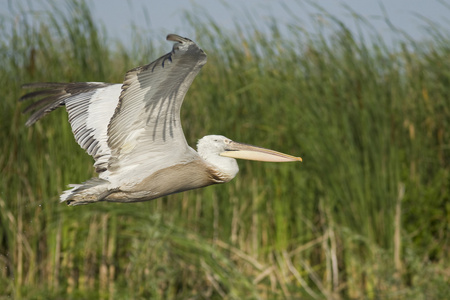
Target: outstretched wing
[145,129]
[137,123]
[90,106]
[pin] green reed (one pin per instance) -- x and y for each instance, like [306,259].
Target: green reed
[365,215]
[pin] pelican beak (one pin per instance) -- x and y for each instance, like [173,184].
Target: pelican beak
[249,152]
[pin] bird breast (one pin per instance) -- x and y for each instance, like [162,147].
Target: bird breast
[174,179]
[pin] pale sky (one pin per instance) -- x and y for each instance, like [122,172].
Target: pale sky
[158,18]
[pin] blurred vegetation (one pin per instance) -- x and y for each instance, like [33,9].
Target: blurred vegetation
[366,215]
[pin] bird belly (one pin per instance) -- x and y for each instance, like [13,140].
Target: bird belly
[174,179]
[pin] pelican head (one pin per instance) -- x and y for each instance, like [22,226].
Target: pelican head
[221,152]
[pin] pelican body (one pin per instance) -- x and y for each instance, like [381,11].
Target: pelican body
[133,132]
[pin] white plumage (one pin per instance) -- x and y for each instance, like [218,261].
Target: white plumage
[133,131]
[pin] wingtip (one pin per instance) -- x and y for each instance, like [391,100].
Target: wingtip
[176,38]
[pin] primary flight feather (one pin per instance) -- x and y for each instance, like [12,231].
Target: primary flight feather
[133,132]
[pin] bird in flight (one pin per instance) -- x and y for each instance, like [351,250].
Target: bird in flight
[133,132]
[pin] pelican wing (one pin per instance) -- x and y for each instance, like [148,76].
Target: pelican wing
[145,129]
[90,106]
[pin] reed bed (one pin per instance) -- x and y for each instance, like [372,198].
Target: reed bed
[366,215]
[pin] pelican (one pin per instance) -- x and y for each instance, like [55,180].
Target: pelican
[133,132]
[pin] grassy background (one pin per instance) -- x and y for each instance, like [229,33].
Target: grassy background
[366,215]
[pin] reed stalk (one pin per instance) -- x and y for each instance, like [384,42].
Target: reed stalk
[363,115]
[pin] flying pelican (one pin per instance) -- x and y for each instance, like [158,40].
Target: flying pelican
[133,132]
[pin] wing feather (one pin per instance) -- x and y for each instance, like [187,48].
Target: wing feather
[136,124]
[90,106]
[146,125]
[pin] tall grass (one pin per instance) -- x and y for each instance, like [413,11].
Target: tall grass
[366,215]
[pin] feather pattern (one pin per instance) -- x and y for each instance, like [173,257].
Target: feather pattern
[124,125]
[90,106]
[147,118]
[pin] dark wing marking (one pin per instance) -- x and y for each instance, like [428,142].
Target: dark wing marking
[147,118]
[87,104]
